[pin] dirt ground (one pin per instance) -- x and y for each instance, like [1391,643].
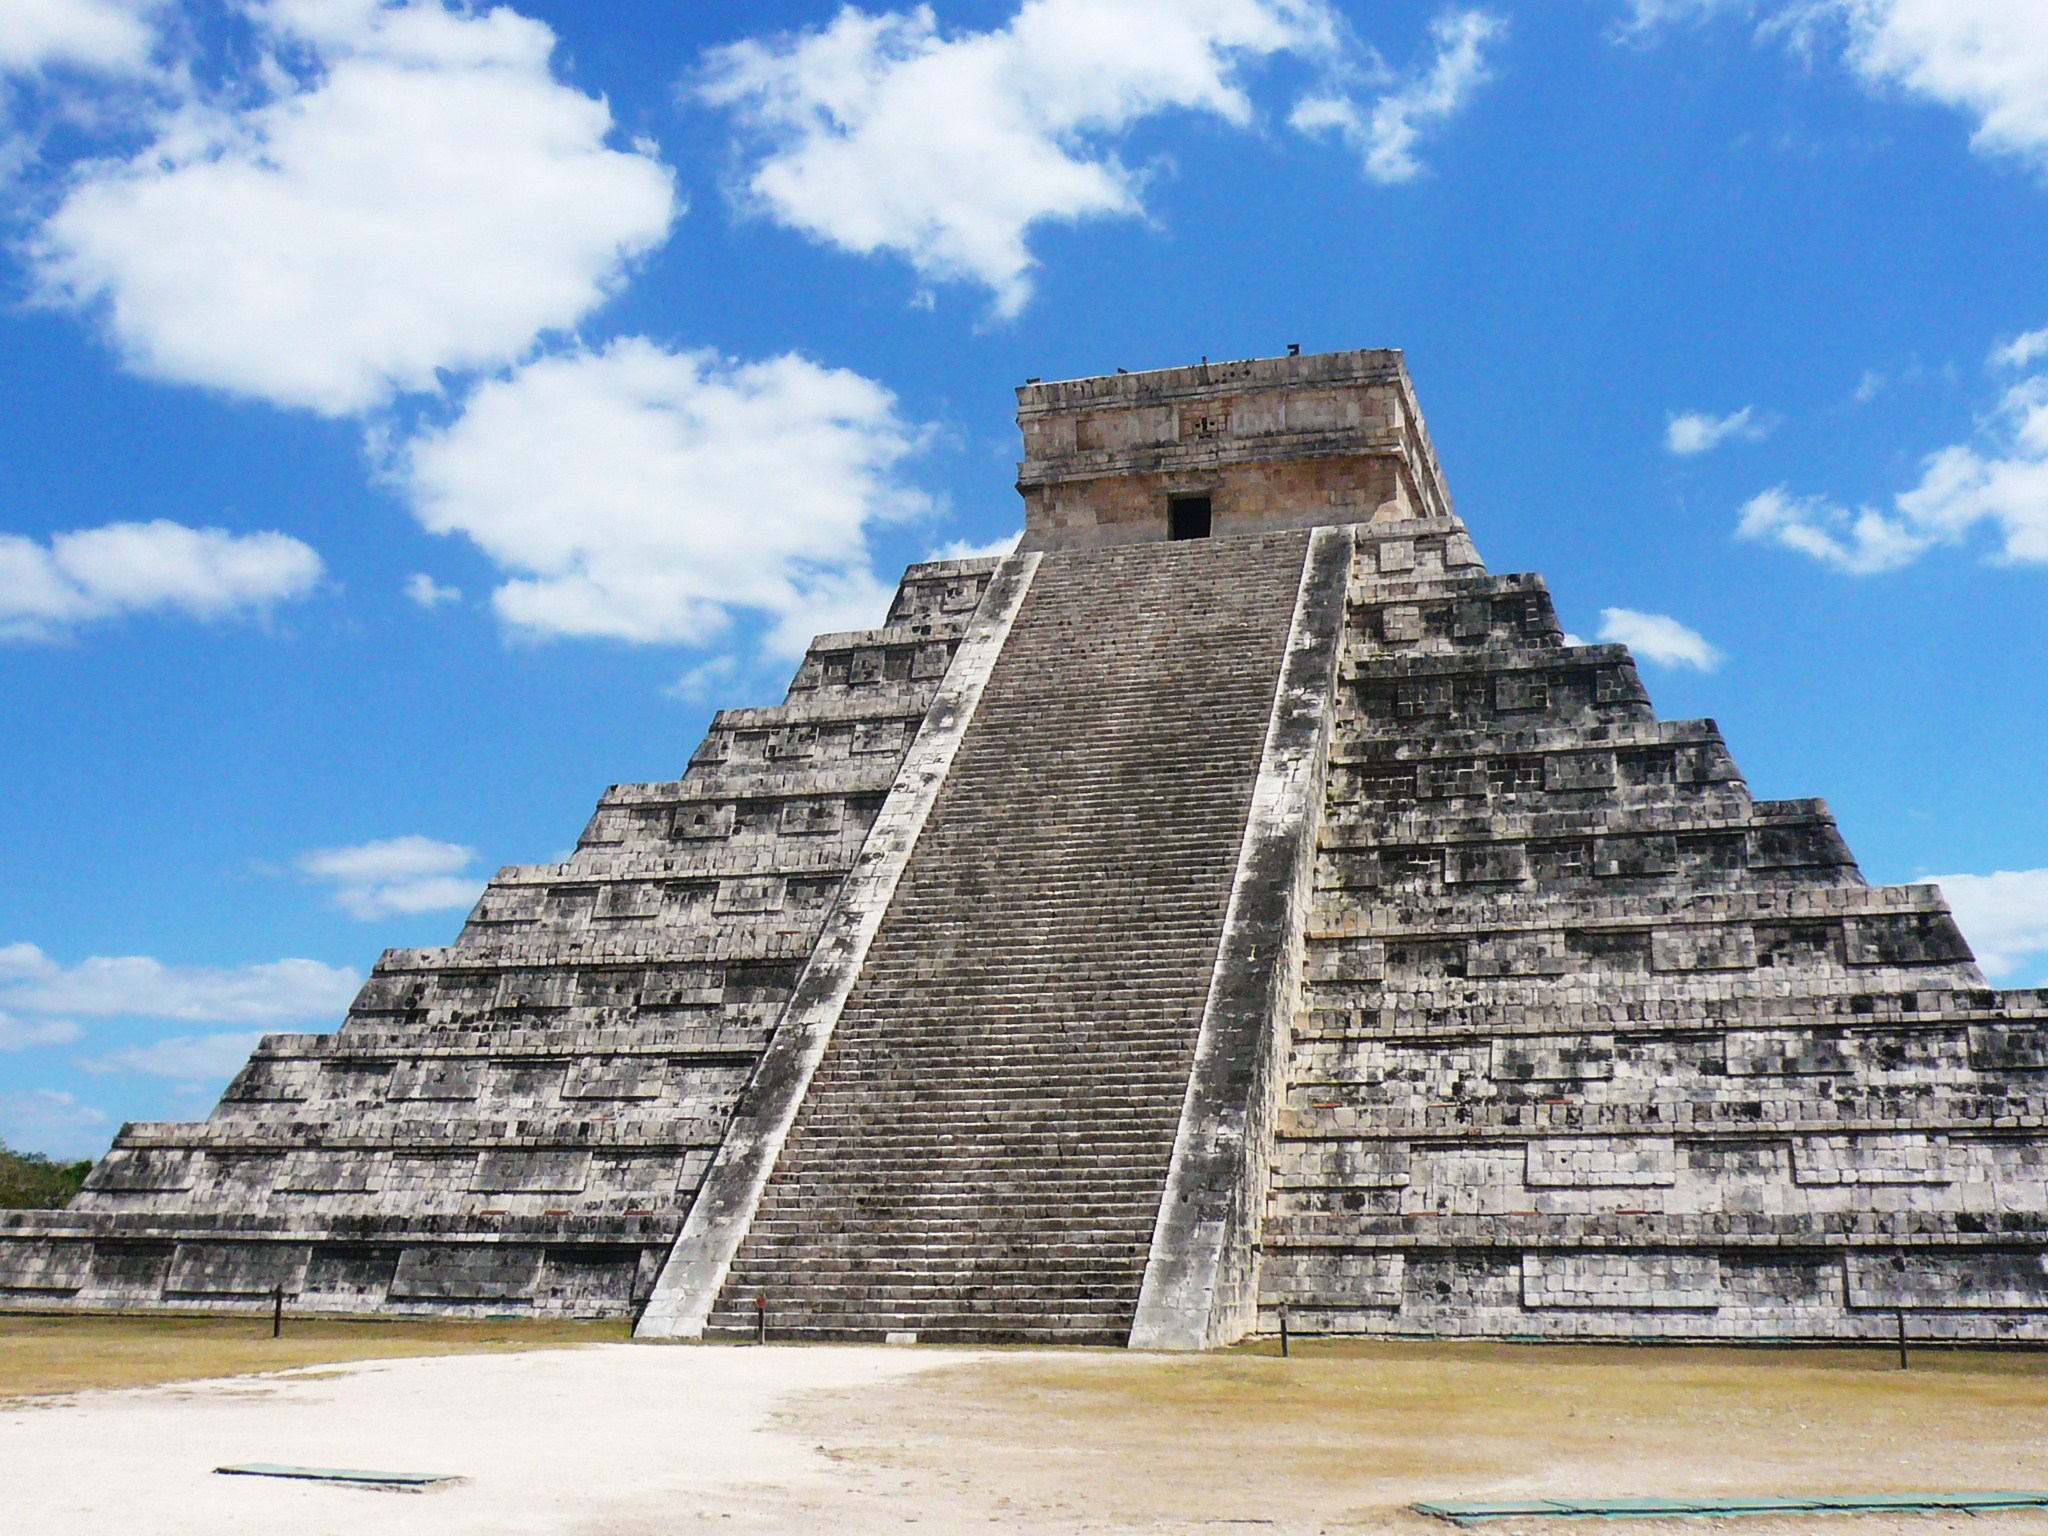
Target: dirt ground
[628,1440]
[42,1355]
[1344,1437]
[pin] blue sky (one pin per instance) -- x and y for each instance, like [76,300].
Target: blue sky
[414,417]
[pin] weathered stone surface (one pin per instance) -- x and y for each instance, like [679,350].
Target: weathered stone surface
[522,1120]
[1133,938]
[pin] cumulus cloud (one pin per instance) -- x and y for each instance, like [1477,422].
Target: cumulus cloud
[1657,638]
[48,590]
[51,1122]
[429,593]
[137,986]
[883,132]
[1987,59]
[1998,484]
[960,549]
[1860,543]
[414,193]
[703,683]
[110,36]
[2021,350]
[396,876]
[184,1058]
[1695,432]
[1388,132]
[23,1034]
[643,494]
[2004,916]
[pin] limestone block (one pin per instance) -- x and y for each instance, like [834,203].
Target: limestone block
[337,1172]
[145,1169]
[437,1078]
[1786,1053]
[1635,1281]
[128,1268]
[1898,1157]
[237,1269]
[750,894]
[701,821]
[363,1270]
[43,1265]
[1343,1165]
[1400,624]
[466,1272]
[587,1281]
[1904,938]
[1602,1162]
[537,1172]
[2012,1047]
[1558,1058]
[1567,771]
[1487,863]
[616,1077]
[1919,1280]
[1722,947]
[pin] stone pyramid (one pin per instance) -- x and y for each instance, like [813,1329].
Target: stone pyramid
[1237,899]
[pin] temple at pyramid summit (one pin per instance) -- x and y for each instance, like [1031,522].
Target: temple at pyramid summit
[1237,899]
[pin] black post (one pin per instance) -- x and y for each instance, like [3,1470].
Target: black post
[760,1319]
[277,1311]
[1283,1330]
[1902,1338]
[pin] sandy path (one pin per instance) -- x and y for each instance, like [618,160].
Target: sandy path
[583,1442]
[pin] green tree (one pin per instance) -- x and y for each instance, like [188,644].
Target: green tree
[30,1181]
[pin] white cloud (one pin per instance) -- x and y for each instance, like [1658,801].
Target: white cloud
[277,991]
[1646,16]
[2000,484]
[429,593]
[1388,133]
[2004,487]
[882,132]
[53,1123]
[23,1034]
[885,134]
[2021,350]
[705,681]
[396,876]
[644,494]
[185,1058]
[1694,433]
[1985,58]
[960,549]
[1659,639]
[1860,543]
[422,196]
[98,573]
[111,36]
[2004,915]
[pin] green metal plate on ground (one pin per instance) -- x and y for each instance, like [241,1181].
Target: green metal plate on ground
[350,1476]
[1474,1512]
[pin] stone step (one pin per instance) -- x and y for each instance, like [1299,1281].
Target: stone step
[984,1145]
